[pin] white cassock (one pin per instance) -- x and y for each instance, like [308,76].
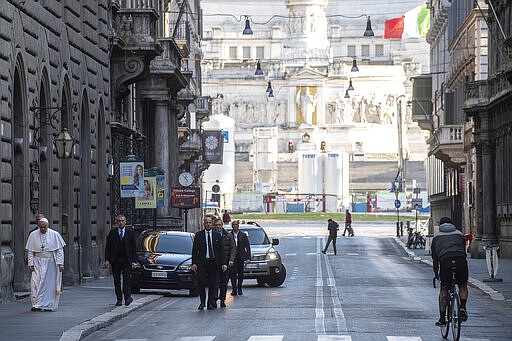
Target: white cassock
[45,251]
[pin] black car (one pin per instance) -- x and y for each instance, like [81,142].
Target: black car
[164,259]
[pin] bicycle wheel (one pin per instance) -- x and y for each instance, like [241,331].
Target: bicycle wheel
[455,305]
[446,328]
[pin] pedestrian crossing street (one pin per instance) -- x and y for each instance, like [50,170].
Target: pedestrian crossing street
[318,338]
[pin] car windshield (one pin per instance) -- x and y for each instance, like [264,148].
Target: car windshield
[162,243]
[256,236]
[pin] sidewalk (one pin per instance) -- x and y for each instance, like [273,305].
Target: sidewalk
[478,274]
[83,309]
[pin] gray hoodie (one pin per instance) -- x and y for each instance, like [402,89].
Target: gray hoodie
[448,242]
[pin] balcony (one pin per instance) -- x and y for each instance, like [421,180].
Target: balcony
[189,141]
[480,94]
[447,144]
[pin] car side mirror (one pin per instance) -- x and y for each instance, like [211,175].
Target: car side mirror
[275,241]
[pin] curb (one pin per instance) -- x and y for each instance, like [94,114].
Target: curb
[473,282]
[104,320]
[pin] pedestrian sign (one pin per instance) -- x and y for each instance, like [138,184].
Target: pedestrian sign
[397,203]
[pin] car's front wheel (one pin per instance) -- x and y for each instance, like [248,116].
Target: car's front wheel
[277,279]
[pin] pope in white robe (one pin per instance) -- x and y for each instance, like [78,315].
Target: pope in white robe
[46,262]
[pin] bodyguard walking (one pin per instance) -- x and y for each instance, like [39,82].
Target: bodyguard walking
[229,246]
[120,253]
[243,256]
[207,259]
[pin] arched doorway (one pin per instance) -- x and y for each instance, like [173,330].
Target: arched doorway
[45,152]
[20,182]
[85,188]
[103,223]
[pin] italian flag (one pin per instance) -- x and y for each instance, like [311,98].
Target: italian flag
[413,24]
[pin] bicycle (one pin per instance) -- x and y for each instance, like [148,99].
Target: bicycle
[452,308]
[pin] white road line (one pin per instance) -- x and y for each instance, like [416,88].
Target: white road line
[341,323]
[196,338]
[352,254]
[404,338]
[312,253]
[319,307]
[290,254]
[266,338]
[334,337]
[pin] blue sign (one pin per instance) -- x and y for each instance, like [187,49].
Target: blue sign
[225,135]
[397,203]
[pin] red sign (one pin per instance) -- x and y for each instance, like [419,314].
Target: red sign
[185,198]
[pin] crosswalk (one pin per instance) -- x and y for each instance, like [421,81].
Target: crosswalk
[318,338]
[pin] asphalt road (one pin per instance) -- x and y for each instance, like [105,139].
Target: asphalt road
[370,290]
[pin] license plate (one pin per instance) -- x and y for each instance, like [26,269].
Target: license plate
[251,266]
[159,274]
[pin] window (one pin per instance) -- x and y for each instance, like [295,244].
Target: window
[365,50]
[351,51]
[260,52]
[233,52]
[247,52]
[379,50]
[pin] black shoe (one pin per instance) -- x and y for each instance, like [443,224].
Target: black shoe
[119,303]
[201,306]
[240,292]
[222,304]
[233,293]
[463,314]
[128,301]
[36,309]
[323,252]
[441,323]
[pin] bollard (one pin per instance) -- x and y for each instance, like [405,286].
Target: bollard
[491,258]
[397,229]
[402,227]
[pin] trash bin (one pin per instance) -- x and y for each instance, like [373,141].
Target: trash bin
[428,243]
[491,258]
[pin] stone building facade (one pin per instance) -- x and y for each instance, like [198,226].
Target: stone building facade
[120,76]
[54,75]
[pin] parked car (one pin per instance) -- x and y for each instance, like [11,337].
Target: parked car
[266,265]
[164,259]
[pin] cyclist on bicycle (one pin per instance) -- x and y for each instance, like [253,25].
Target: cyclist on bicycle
[449,247]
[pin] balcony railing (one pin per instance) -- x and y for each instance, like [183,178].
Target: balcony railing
[450,134]
[484,92]
[447,144]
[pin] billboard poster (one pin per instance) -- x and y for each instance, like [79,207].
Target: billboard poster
[131,179]
[185,198]
[213,146]
[148,200]
[160,190]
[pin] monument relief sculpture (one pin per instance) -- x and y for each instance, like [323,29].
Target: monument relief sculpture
[306,103]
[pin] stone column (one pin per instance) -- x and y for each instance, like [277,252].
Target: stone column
[292,107]
[161,135]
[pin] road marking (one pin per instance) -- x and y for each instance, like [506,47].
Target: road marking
[196,338]
[404,338]
[312,253]
[319,304]
[352,254]
[290,254]
[341,323]
[334,337]
[266,338]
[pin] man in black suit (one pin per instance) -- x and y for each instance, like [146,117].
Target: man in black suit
[207,259]
[243,256]
[120,253]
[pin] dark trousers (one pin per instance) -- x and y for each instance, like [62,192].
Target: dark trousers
[332,238]
[123,268]
[208,278]
[237,274]
[223,284]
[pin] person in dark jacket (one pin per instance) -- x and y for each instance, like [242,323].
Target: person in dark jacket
[120,254]
[449,248]
[229,253]
[333,227]
[242,257]
[207,259]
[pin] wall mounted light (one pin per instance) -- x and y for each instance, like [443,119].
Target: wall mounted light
[64,142]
